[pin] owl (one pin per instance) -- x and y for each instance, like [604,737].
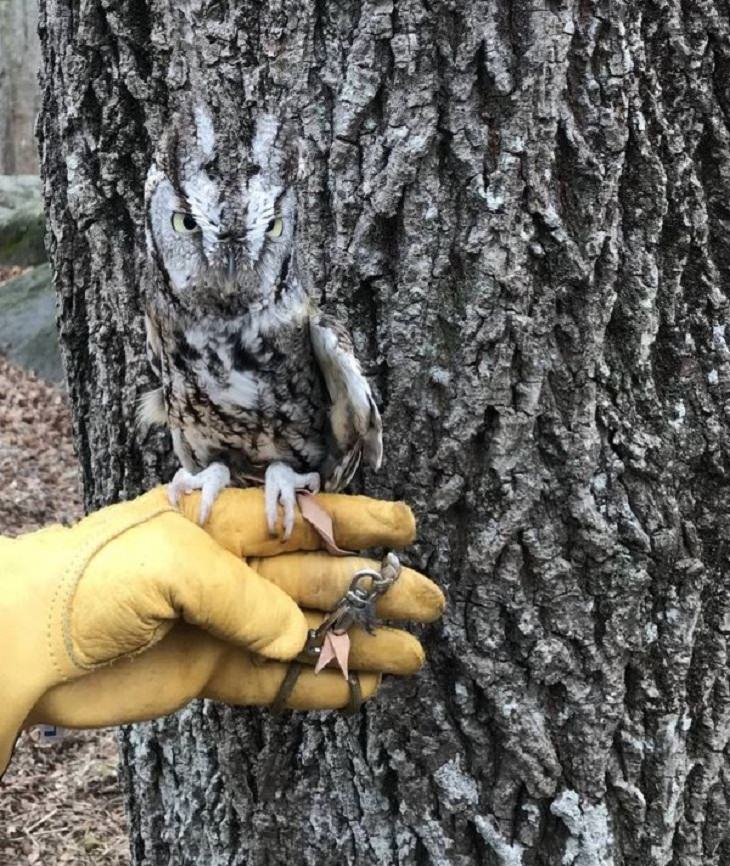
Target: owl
[254,383]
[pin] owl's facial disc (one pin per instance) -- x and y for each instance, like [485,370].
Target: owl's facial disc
[217,228]
[208,248]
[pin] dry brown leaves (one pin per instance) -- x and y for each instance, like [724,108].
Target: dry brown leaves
[58,804]
[7,272]
[62,803]
[38,470]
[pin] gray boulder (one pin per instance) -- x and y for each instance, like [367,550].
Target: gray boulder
[28,323]
[22,225]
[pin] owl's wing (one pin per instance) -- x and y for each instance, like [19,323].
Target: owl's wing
[151,405]
[354,418]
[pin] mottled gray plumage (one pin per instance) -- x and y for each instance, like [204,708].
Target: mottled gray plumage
[254,381]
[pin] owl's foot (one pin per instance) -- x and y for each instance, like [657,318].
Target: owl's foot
[281,483]
[210,481]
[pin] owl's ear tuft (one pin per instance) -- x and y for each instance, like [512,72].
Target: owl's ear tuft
[204,130]
[304,160]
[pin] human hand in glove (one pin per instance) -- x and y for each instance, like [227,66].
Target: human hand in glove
[136,610]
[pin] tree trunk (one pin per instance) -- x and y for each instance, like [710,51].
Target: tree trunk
[522,211]
[19,93]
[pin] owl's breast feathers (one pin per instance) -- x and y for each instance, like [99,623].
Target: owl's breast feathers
[252,389]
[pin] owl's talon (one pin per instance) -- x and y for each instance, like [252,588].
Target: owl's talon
[210,481]
[288,500]
[311,482]
[174,489]
[280,488]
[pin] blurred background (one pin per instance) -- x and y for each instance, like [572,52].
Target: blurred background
[19,92]
[27,309]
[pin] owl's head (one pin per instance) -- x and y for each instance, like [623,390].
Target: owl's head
[221,210]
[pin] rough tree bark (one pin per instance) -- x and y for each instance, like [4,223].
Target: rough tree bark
[522,210]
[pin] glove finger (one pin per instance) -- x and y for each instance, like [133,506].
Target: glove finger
[186,664]
[327,690]
[136,688]
[238,523]
[236,604]
[387,650]
[317,580]
[187,576]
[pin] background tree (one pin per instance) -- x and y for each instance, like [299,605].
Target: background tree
[19,96]
[522,210]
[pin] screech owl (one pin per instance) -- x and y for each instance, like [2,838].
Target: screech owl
[254,382]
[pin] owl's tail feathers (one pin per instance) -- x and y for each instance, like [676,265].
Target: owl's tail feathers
[372,440]
[338,472]
[151,410]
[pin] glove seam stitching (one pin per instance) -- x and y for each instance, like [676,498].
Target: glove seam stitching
[62,601]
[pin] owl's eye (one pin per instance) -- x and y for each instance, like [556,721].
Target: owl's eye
[184,223]
[275,228]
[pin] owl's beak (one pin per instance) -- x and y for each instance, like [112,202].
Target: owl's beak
[229,271]
[227,254]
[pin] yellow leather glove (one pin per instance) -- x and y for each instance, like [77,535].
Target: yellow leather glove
[136,610]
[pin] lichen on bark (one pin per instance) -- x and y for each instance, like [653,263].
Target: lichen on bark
[520,209]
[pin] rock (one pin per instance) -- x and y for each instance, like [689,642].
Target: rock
[18,190]
[22,225]
[28,323]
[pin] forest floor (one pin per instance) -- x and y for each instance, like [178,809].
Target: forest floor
[59,803]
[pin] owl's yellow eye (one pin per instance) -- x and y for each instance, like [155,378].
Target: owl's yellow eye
[275,228]
[184,223]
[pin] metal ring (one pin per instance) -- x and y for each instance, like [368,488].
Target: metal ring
[365,572]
